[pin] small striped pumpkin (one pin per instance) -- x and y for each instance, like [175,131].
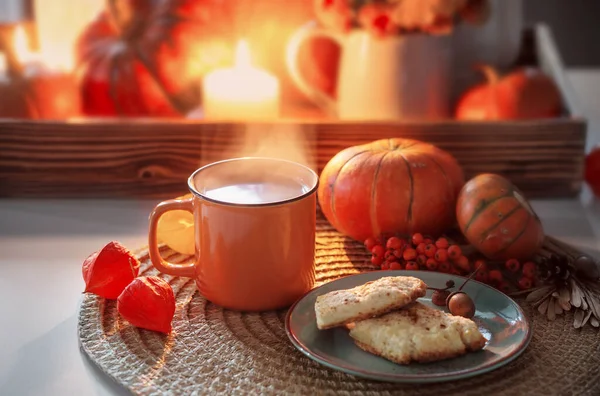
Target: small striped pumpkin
[497,220]
[390,186]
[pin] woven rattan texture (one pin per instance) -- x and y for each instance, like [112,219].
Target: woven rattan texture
[212,350]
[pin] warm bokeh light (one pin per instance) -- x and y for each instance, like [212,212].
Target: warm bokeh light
[242,55]
[21,46]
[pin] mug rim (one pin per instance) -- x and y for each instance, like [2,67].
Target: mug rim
[198,194]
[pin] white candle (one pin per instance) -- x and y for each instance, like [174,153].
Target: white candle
[241,92]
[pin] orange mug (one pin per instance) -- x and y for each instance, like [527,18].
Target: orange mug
[255,221]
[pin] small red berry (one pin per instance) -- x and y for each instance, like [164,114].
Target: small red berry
[370,243]
[376,260]
[378,250]
[428,241]
[412,266]
[421,259]
[495,277]
[421,248]
[480,265]
[417,239]
[513,265]
[398,252]
[529,269]
[396,266]
[394,243]
[482,276]
[442,243]
[409,254]
[454,252]
[444,267]
[389,254]
[431,264]
[441,255]
[463,263]
[525,283]
[430,250]
[455,271]
[385,266]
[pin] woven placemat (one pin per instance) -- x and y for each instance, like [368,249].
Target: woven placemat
[213,350]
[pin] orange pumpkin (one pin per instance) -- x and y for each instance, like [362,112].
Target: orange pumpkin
[497,220]
[390,186]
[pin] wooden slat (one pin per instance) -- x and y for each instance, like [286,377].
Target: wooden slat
[154,159]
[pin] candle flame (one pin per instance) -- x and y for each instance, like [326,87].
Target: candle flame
[21,45]
[242,55]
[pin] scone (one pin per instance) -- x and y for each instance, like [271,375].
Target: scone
[341,307]
[417,333]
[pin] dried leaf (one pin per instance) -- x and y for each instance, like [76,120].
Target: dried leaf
[584,304]
[594,322]
[575,294]
[594,303]
[551,313]
[565,296]
[538,294]
[557,307]
[555,294]
[578,318]
[565,305]
[544,306]
[587,317]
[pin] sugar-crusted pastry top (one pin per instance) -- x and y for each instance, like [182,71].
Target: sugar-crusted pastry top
[417,333]
[374,298]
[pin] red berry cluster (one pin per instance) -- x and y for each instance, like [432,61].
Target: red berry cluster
[423,253]
[418,253]
[505,276]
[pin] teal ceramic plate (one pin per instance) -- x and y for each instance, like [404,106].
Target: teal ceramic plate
[499,318]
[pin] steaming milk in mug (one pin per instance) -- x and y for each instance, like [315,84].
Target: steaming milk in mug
[257,193]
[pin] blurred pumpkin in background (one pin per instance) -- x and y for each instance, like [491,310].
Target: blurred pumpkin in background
[524,94]
[147,57]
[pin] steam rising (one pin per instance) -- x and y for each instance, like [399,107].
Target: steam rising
[283,141]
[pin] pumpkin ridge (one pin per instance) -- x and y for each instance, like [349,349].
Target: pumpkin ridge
[332,184]
[412,192]
[152,72]
[373,215]
[516,238]
[448,181]
[483,207]
[510,213]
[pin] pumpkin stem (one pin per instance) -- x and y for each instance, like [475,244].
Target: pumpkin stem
[493,79]
[128,16]
[491,74]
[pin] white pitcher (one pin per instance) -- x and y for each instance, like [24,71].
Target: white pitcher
[391,78]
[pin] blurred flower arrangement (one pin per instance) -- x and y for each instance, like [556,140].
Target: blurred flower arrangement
[391,17]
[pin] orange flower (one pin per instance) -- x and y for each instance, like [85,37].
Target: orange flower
[377,19]
[334,14]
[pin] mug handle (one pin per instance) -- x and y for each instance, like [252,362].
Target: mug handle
[310,31]
[185,270]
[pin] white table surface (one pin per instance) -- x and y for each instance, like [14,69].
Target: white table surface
[43,244]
